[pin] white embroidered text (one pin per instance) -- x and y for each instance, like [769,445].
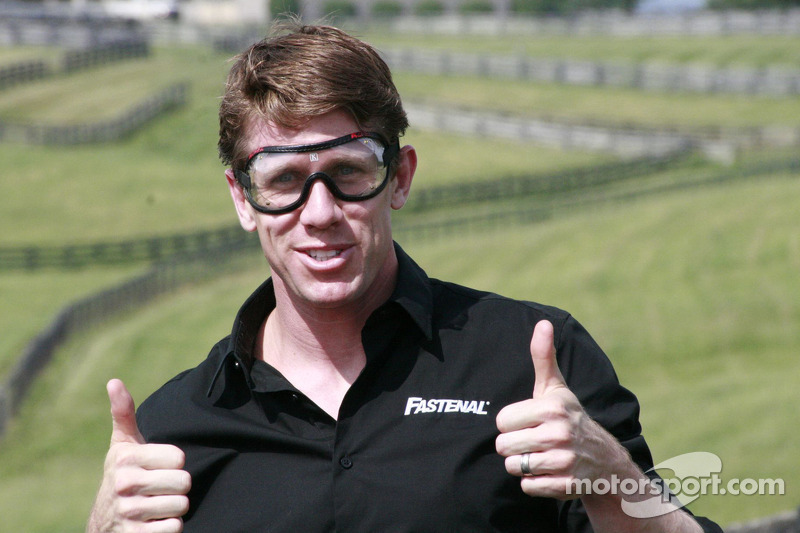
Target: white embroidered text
[416,406]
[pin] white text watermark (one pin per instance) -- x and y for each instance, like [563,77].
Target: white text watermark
[695,474]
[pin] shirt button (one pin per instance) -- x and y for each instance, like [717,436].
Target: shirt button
[346,462]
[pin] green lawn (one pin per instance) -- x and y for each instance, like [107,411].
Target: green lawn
[693,294]
[168,173]
[84,96]
[167,178]
[124,189]
[696,298]
[16,54]
[608,105]
[32,299]
[165,182]
[446,158]
[56,454]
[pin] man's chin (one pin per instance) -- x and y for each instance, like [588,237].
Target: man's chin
[329,295]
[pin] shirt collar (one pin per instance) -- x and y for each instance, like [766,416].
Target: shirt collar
[412,293]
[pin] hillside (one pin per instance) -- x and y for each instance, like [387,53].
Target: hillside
[688,280]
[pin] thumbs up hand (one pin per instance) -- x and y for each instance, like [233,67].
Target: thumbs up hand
[123,414]
[144,487]
[549,440]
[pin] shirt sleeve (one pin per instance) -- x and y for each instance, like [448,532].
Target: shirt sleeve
[591,377]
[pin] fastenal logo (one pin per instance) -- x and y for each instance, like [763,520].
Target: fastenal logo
[695,474]
[415,406]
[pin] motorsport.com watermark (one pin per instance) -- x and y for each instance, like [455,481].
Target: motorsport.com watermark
[696,474]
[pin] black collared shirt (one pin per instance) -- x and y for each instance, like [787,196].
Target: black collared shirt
[413,449]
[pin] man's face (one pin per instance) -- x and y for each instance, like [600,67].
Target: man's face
[327,253]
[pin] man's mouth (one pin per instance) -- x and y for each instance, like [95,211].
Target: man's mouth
[323,255]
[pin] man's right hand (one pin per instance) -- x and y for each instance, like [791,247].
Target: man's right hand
[144,487]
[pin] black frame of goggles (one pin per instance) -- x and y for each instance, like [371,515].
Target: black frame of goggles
[389,153]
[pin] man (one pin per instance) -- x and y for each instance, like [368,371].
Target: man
[355,393]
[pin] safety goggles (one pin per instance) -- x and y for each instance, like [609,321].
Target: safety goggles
[354,167]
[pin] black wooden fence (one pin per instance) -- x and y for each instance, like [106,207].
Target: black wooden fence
[770,80]
[584,178]
[468,224]
[169,275]
[127,122]
[151,249]
[96,308]
[23,72]
[72,61]
[623,140]
[76,60]
[540,186]
[30,257]
[60,24]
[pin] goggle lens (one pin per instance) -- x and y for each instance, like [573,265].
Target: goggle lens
[353,167]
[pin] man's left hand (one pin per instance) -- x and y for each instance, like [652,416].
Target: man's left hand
[564,444]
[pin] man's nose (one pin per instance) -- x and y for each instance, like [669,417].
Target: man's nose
[321,208]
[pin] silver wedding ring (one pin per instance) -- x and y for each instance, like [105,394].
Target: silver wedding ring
[524,464]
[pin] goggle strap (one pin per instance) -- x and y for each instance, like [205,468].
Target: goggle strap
[243,178]
[316,146]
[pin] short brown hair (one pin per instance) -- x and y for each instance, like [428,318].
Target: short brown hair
[301,72]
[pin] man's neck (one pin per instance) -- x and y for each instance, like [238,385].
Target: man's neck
[319,349]
[319,362]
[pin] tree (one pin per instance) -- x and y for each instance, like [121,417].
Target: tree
[752,4]
[568,7]
[284,7]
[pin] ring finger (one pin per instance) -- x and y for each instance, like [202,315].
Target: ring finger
[538,463]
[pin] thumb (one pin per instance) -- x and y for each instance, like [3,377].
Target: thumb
[543,353]
[123,414]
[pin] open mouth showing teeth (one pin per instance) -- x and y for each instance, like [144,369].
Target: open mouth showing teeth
[323,255]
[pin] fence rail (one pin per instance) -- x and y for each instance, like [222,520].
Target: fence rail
[168,276]
[114,129]
[57,24]
[202,243]
[151,249]
[75,60]
[773,81]
[92,310]
[23,72]
[29,257]
[451,227]
[624,141]
[206,242]
[584,178]
[609,22]
[785,522]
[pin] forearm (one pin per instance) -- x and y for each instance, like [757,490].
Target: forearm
[607,515]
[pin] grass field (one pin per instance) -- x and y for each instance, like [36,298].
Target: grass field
[31,300]
[613,105]
[693,293]
[164,180]
[169,182]
[78,97]
[15,54]
[721,51]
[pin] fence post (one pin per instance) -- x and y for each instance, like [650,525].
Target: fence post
[5,411]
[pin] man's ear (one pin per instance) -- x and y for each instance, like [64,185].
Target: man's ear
[243,209]
[407,165]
